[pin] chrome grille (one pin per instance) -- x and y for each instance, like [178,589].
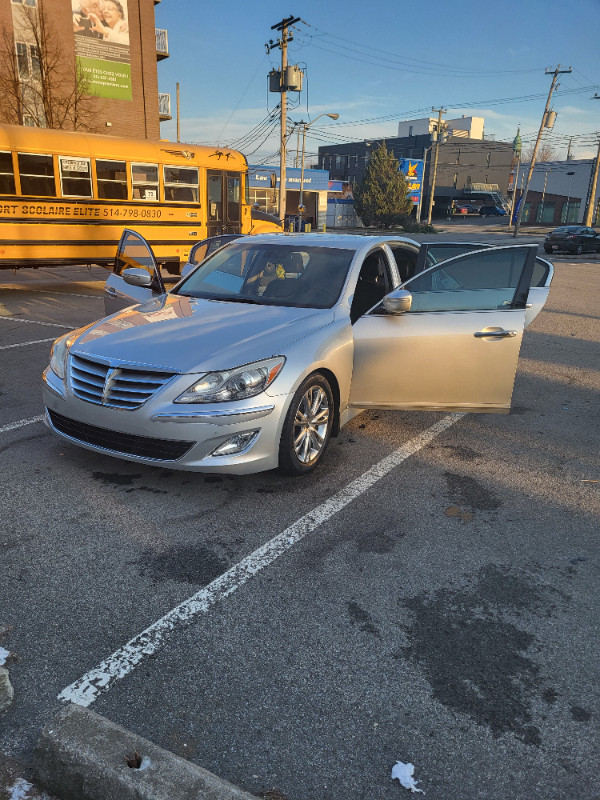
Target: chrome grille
[118,387]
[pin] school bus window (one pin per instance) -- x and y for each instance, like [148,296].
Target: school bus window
[112,180]
[144,181]
[181,183]
[75,177]
[37,175]
[7,175]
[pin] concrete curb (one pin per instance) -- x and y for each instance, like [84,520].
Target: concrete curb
[81,756]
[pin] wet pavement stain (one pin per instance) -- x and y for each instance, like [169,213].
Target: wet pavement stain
[197,565]
[149,489]
[580,714]
[462,453]
[466,491]
[377,541]
[115,478]
[475,660]
[358,616]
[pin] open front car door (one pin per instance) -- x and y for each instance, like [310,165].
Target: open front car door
[449,338]
[135,277]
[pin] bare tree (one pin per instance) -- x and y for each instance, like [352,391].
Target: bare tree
[42,83]
[546,152]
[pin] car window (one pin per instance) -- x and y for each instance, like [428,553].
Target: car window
[478,281]
[133,251]
[271,274]
[406,261]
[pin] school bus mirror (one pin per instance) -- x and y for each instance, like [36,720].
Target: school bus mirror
[135,276]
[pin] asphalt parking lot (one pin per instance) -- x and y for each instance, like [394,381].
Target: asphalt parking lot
[429,595]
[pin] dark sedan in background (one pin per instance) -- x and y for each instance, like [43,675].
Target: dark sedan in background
[572,239]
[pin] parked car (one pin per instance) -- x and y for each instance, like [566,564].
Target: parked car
[492,211]
[572,239]
[273,343]
[467,208]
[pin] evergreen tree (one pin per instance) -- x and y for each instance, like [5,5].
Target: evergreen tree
[381,198]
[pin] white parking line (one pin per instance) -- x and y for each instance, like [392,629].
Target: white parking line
[12,426]
[36,322]
[24,344]
[84,691]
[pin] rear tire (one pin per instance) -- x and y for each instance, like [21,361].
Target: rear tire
[307,427]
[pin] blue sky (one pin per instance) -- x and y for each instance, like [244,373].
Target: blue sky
[375,64]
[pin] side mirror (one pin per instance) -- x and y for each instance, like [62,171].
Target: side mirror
[135,276]
[397,301]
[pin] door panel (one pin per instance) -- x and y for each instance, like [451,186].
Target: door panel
[224,202]
[458,346]
[434,360]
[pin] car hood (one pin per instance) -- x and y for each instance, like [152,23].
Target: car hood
[185,334]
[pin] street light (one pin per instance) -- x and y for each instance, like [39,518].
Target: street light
[305,127]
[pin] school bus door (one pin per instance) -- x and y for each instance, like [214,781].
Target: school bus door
[224,202]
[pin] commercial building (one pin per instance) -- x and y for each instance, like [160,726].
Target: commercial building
[264,191]
[470,167]
[112,46]
[558,192]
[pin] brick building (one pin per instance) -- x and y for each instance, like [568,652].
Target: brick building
[114,45]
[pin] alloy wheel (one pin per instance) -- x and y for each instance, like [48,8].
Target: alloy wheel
[310,424]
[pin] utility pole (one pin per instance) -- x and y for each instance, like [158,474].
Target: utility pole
[178,130]
[591,199]
[558,71]
[591,203]
[440,111]
[282,43]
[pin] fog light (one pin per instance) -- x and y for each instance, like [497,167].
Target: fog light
[235,444]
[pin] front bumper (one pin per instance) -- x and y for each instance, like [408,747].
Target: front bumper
[176,436]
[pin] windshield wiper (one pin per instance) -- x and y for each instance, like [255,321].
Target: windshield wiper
[237,299]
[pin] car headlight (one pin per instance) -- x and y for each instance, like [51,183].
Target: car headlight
[60,351]
[233,384]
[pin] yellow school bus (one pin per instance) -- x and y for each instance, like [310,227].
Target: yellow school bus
[65,197]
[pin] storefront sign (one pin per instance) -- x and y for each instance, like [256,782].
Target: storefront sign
[413,169]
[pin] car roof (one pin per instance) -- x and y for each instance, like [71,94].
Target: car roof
[352,241]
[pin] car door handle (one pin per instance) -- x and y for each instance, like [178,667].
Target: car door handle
[495,334]
[110,291]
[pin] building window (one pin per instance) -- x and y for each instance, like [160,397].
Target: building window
[144,181]
[570,212]
[545,212]
[75,177]
[7,175]
[526,212]
[455,179]
[112,180]
[28,60]
[266,200]
[410,130]
[37,175]
[181,183]
[458,156]
[32,3]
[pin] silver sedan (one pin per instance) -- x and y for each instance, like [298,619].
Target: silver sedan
[259,355]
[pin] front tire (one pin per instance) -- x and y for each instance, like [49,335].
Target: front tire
[307,427]
[579,249]
[547,249]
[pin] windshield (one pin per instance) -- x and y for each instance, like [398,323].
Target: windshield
[271,274]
